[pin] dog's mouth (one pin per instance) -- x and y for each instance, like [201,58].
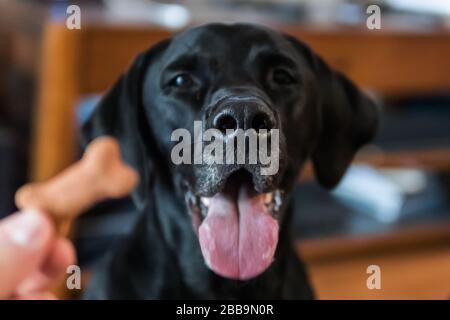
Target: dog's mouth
[237,227]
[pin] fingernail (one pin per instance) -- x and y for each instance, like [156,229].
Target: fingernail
[26,228]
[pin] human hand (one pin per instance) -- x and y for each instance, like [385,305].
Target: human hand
[32,256]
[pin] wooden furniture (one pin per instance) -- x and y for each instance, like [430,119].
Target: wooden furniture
[409,274]
[77,63]
[414,264]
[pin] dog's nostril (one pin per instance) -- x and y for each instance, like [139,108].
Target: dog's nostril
[261,121]
[225,122]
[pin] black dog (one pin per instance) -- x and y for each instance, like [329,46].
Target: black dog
[226,218]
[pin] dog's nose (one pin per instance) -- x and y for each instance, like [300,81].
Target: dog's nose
[243,115]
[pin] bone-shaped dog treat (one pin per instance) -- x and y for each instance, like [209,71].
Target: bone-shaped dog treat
[98,176]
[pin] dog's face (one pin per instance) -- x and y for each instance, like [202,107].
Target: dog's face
[232,78]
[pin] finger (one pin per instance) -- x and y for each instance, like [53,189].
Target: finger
[61,255]
[25,238]
[37,296]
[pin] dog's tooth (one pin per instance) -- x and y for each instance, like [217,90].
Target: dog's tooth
[205,201]
[204,213]
[268,197]
[278,201]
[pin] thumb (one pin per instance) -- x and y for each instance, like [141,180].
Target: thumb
[24,241]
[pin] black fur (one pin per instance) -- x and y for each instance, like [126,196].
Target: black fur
[322,116]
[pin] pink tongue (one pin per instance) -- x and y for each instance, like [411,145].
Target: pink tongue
[238,240]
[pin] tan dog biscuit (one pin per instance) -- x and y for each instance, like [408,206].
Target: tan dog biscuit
[99,175]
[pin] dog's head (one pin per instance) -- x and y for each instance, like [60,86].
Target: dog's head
[235,79]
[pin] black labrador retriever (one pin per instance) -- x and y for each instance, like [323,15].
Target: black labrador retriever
[211,230]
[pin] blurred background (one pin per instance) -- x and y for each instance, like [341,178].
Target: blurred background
[392,208]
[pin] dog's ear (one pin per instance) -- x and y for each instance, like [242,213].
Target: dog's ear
[120,114]
[348,119]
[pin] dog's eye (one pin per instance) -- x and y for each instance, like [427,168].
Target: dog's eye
[182,81]
[282,77]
